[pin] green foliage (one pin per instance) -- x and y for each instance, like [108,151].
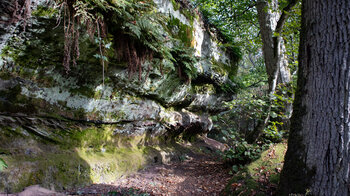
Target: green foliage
[229,88]
[138,33]
[241,153]
[175,5]
[184,59]
[3,165]
[291,35]
[260,177]
[147,31]
[235,19]
[234,51]
[238,22]
[43,11]
[252,76]
[249,106]
[254,108]
[272,132]
[282,96]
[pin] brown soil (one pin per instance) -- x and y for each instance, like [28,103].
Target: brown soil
[195,176]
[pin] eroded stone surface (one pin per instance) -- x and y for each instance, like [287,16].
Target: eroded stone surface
[64,131]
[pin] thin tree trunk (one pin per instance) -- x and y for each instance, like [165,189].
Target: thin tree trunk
[273,56]
[271,23]
[317,159]
[267,22]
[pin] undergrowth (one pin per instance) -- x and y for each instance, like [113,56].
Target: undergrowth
[260,177]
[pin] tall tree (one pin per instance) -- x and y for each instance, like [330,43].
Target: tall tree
[271,21]
[317,160]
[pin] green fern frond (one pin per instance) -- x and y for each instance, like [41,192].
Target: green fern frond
[169,65]
[165,51]
[150,46]
[134,30]
[3,165]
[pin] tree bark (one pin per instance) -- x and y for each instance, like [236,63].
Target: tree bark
[317,159]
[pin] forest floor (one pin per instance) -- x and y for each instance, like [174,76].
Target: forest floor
[195,174]
[199,175]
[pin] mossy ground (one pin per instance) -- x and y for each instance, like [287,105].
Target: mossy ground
[260,177]
[78,157]
[74,156]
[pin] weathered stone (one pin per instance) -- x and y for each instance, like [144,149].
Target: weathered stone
[70,130]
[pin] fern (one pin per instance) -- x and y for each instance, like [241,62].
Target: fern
[185,61]
[136,30]
[3,165]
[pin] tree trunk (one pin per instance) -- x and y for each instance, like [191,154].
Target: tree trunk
[317,159]
[268,21]
[274,56]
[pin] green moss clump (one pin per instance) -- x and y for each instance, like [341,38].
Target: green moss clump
[9,51]
[181,31]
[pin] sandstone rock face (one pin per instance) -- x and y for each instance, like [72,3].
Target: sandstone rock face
[88,130]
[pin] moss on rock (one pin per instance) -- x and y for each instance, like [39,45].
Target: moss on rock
[181,31]
[81,157]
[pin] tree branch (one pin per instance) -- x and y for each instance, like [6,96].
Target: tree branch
[285,15]
[244,11]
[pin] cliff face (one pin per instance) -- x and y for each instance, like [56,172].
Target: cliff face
[63,130]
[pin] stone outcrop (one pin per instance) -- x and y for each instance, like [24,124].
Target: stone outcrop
[92,131]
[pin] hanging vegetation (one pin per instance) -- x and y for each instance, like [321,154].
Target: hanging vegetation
[131,28]
[131,24]
[18,11]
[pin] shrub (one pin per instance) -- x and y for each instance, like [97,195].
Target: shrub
[241,153]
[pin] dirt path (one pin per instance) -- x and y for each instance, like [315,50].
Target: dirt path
[198,174]
[194,176]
